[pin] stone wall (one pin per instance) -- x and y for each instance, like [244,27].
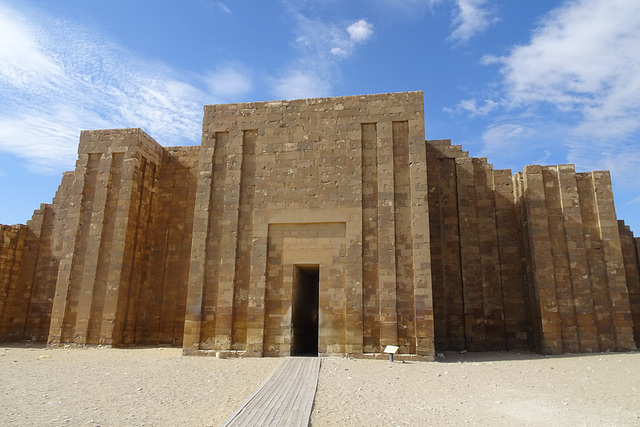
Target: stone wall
[163,292]
[12,244]
[480,297]
[631,256]
[28,267]
[534,260]
[325,218]
[335,183]
[576,273]
[125,242]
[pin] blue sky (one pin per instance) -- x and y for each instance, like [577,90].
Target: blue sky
[518,82]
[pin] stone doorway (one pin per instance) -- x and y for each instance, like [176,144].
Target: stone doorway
[304,316]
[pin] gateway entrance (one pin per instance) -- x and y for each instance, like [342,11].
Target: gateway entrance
[304,316]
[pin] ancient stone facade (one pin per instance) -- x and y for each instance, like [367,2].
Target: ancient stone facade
[324,226]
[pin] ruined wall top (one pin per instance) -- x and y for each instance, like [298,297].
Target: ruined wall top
[130,141]
[329,114]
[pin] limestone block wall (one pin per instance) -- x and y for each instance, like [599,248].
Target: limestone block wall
[12,246]
[104,247]
[575,268]
[41,263]
[530,261]
[631,256]
[28,267]
[334,184]
[480,297]
[293,245]
[325,218]
[163,288]
[120,226]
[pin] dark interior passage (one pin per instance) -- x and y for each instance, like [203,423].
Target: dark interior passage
[304,318]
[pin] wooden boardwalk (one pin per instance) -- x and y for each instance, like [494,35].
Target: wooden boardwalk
[285,398]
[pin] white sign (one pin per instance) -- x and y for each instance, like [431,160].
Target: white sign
[390,349]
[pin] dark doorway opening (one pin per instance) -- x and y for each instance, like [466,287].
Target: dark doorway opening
[304,316]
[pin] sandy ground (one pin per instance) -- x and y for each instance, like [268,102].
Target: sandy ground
[114,387]
[488,389]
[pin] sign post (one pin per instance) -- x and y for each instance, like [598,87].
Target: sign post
[391,350]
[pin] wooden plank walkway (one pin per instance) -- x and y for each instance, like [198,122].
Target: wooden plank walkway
[285,398]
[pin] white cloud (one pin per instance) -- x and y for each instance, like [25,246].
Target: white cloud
[58,80]
[216,5]
[47,140]
[580,55]
[22,61]
[318,39]
[471,17]
[323,45]
[504,136]
[229,82]
[406,6]
[301,84]
[360,31]
[572,93]
[622,159]
[471,106]
[223,7]
[583,60]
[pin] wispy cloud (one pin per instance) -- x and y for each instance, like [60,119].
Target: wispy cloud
[318,40]
[582,56]
[229,81]
[471,107]
[508,139]
[22,60]
[499,137]
[301,84]
[47,140]
[216,6]
[322,46]
[582,59]
[410,7]
[470,18]
[576,85]
[223,7]
[59,79]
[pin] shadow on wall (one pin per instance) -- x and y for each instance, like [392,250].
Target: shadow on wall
[532,261]
[28,271]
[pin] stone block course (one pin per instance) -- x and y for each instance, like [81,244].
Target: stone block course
[401,241]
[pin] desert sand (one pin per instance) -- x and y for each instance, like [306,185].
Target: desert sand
[159,387]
